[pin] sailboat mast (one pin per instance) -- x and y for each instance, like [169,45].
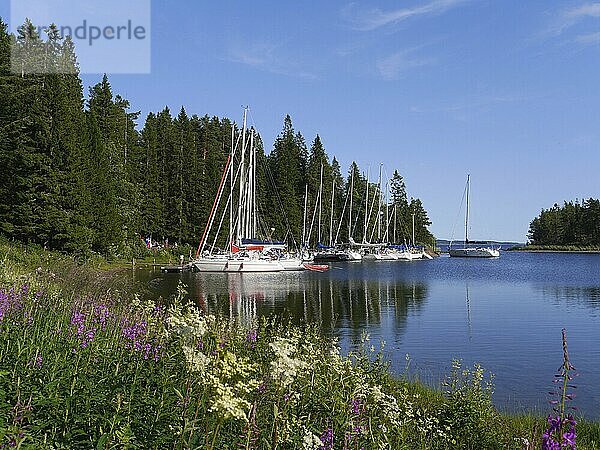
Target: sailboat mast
[251,195]
[320,202]
[254,204]
[413,230]
[395,219]
[304,219]
[366,208]
[331,217]
[240,220]
[231,188]
[467,210]
[379,207]
[350,214]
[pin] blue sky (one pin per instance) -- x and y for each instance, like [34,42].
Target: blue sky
[506,90]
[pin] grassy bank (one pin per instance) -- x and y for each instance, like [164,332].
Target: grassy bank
[84,364]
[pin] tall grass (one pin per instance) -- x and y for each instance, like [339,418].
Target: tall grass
[84,365]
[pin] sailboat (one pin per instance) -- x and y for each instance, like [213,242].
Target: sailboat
[334,252]
[246,252]
[471,252]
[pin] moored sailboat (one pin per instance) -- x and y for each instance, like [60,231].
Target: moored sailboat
[245,252]
[471,252]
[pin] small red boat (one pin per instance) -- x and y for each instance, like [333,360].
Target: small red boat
[316,267]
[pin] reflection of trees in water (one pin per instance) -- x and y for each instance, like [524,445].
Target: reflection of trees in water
[353,304]
[588,296]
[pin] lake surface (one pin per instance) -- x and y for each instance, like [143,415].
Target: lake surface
[505,313]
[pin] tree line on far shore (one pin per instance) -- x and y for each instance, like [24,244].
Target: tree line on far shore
[80,176]
[573,224]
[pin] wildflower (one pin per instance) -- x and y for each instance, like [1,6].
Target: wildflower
[285,368]
[251,338]
[101,314]
[36,362]
[550,440]
[226,404]
[327,439]
[311,441]
[78,320]
[560,433]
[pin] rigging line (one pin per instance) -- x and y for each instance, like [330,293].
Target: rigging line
[229,199]
[215,204]
[458,214]
[279,202]
[342,216]
[362,202]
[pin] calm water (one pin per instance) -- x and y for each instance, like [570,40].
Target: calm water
[506,314]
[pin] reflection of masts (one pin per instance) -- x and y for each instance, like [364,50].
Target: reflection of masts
[469,312]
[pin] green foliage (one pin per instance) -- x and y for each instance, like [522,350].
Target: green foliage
[469,411]
[575,224]
[215,384]
[85,180]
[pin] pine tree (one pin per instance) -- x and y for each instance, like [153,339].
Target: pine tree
[285,163]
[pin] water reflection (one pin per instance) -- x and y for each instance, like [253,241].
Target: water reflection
[587,296]
[336,303]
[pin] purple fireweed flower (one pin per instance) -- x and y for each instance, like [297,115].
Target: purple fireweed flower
[550,439]
[101,314]
[251,338]
[327,439]
[78,320]
[158,311]
[36,362]
[357,407]
[87,338]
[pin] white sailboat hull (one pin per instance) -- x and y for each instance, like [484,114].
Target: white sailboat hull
[235,265]
[479,252]
[291,264]
[354,256]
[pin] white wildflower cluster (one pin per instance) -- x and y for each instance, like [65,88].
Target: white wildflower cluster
[335,360]
[187,323]
[388,404]
[285,367]
[227,404]
[227,377]
[430,425]
[197,361]
[311,441]
[401,411]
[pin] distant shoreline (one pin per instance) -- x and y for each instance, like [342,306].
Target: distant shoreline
[552,250]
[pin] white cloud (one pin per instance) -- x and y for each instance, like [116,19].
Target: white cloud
[265,56]
[586,10]
[572,16]
[590,38]
[394,65]
[376,18]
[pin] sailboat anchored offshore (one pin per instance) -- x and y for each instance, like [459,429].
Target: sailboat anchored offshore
[471,252]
